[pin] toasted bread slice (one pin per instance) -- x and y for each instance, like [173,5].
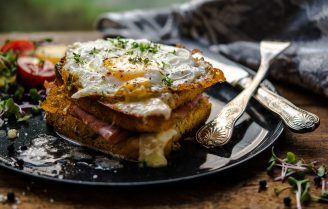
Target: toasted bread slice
[75,129]
[155,123]
[59,99]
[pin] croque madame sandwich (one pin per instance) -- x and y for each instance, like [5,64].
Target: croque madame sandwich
[131,98]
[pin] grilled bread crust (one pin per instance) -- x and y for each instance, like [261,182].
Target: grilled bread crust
[57,107]
[58,98]
[130,121]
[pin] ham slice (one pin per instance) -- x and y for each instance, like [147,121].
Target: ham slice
[112,133]
[115,134]
[183,110]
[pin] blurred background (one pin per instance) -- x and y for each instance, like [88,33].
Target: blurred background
[50,15]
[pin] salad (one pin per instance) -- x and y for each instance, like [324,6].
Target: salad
[25,67]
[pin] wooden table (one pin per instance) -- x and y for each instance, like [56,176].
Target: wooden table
[234,189]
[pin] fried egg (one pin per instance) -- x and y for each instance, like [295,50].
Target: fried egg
[134,69]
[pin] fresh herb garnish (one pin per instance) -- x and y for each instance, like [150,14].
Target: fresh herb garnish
[8,64]
[149,47]
[94,51]
[135,45]
[19,93]
[174,52]
[77,58]
[138,59]
[145,47]
[108,50]
[295,171]
[36,109]
[146,61]
[129,52]
[321,172]
[301,189]
[34,95]
[119,42]
[167,80]
[9,108]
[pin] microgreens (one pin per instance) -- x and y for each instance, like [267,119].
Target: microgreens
[322,198]
[295,171]
[35,109]
[19,93]
[301,189]
[289,166]
[34,95]
[78,59]
[8,64]
[9,108]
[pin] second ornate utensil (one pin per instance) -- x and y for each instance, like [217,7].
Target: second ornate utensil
[219,131]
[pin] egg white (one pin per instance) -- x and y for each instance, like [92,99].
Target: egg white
[109,67]
[94,78]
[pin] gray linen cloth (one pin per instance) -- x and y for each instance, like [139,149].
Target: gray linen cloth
[234,29]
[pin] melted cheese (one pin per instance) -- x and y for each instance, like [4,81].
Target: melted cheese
[151,147]
[144,108]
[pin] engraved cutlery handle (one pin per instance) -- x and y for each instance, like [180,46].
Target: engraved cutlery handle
[219,131]
[295,118]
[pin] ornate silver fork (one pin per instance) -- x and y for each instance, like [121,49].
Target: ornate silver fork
[219,131]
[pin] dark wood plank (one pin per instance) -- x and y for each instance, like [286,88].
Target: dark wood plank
[235,189]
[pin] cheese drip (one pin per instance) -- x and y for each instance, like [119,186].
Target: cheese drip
[151,147]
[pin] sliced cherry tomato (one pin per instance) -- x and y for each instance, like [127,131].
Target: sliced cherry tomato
[22,47]
[34,71]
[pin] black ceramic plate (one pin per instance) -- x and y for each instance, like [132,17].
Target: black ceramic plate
[48,156]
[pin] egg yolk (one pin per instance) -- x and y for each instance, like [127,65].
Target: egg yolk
[123,69]
[137,88]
